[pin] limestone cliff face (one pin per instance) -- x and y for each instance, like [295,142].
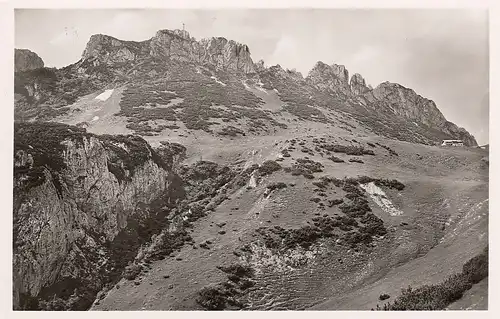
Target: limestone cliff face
[25,60]
[405,102]
[175,45]
[109,50]
[219,52]
[408,104]
[334,78]
[358,84]
[85,202]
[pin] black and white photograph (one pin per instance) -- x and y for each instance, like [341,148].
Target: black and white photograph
[249,159]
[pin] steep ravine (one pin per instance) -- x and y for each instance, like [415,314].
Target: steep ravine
[76,197]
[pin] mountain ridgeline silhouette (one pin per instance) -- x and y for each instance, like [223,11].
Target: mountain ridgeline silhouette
[107,60]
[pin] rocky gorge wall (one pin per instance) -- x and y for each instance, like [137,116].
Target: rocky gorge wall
[63,215]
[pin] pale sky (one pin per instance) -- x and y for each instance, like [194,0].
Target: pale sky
[441,54]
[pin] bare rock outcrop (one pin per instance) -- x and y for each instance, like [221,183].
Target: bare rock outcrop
[358,84]
[109,50]
[175,45]
[405,102]
[71,196]
[25,60]
[334,78]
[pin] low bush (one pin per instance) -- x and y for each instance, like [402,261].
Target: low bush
[336,159]
[334,202]
[238,270]
[390,150]
[278,185]
[212,298]
[356,160]
[439,296]
[231,131]
[390,183]
[268,167]
[132,271]
[384,297]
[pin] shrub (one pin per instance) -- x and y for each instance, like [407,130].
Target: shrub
[246,283]
[390,183]
[268,167]
[355,160]
[439,296]
[278,185]
[372,225]
[237,270]
[356,208]
[212,298]
[384,297]
[231,131]
[334,202]
[310,165]
[477,267]
[395,184]
[390,150]
[132,271]
[303,237]
[336,159]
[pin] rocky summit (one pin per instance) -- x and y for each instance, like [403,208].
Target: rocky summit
[177,174]
[25,60]
[176,45]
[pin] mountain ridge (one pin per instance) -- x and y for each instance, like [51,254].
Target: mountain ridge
[104,53]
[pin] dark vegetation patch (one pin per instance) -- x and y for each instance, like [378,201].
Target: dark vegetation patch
[268,167]
[390,150]
[227,295]
[336,159]
[305,167]
[145,129]
[356,160]
[278,185]
[384,297]
[439,296]
[238,270]
[389,183]
[231,131]
[334,202]
[285,153]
